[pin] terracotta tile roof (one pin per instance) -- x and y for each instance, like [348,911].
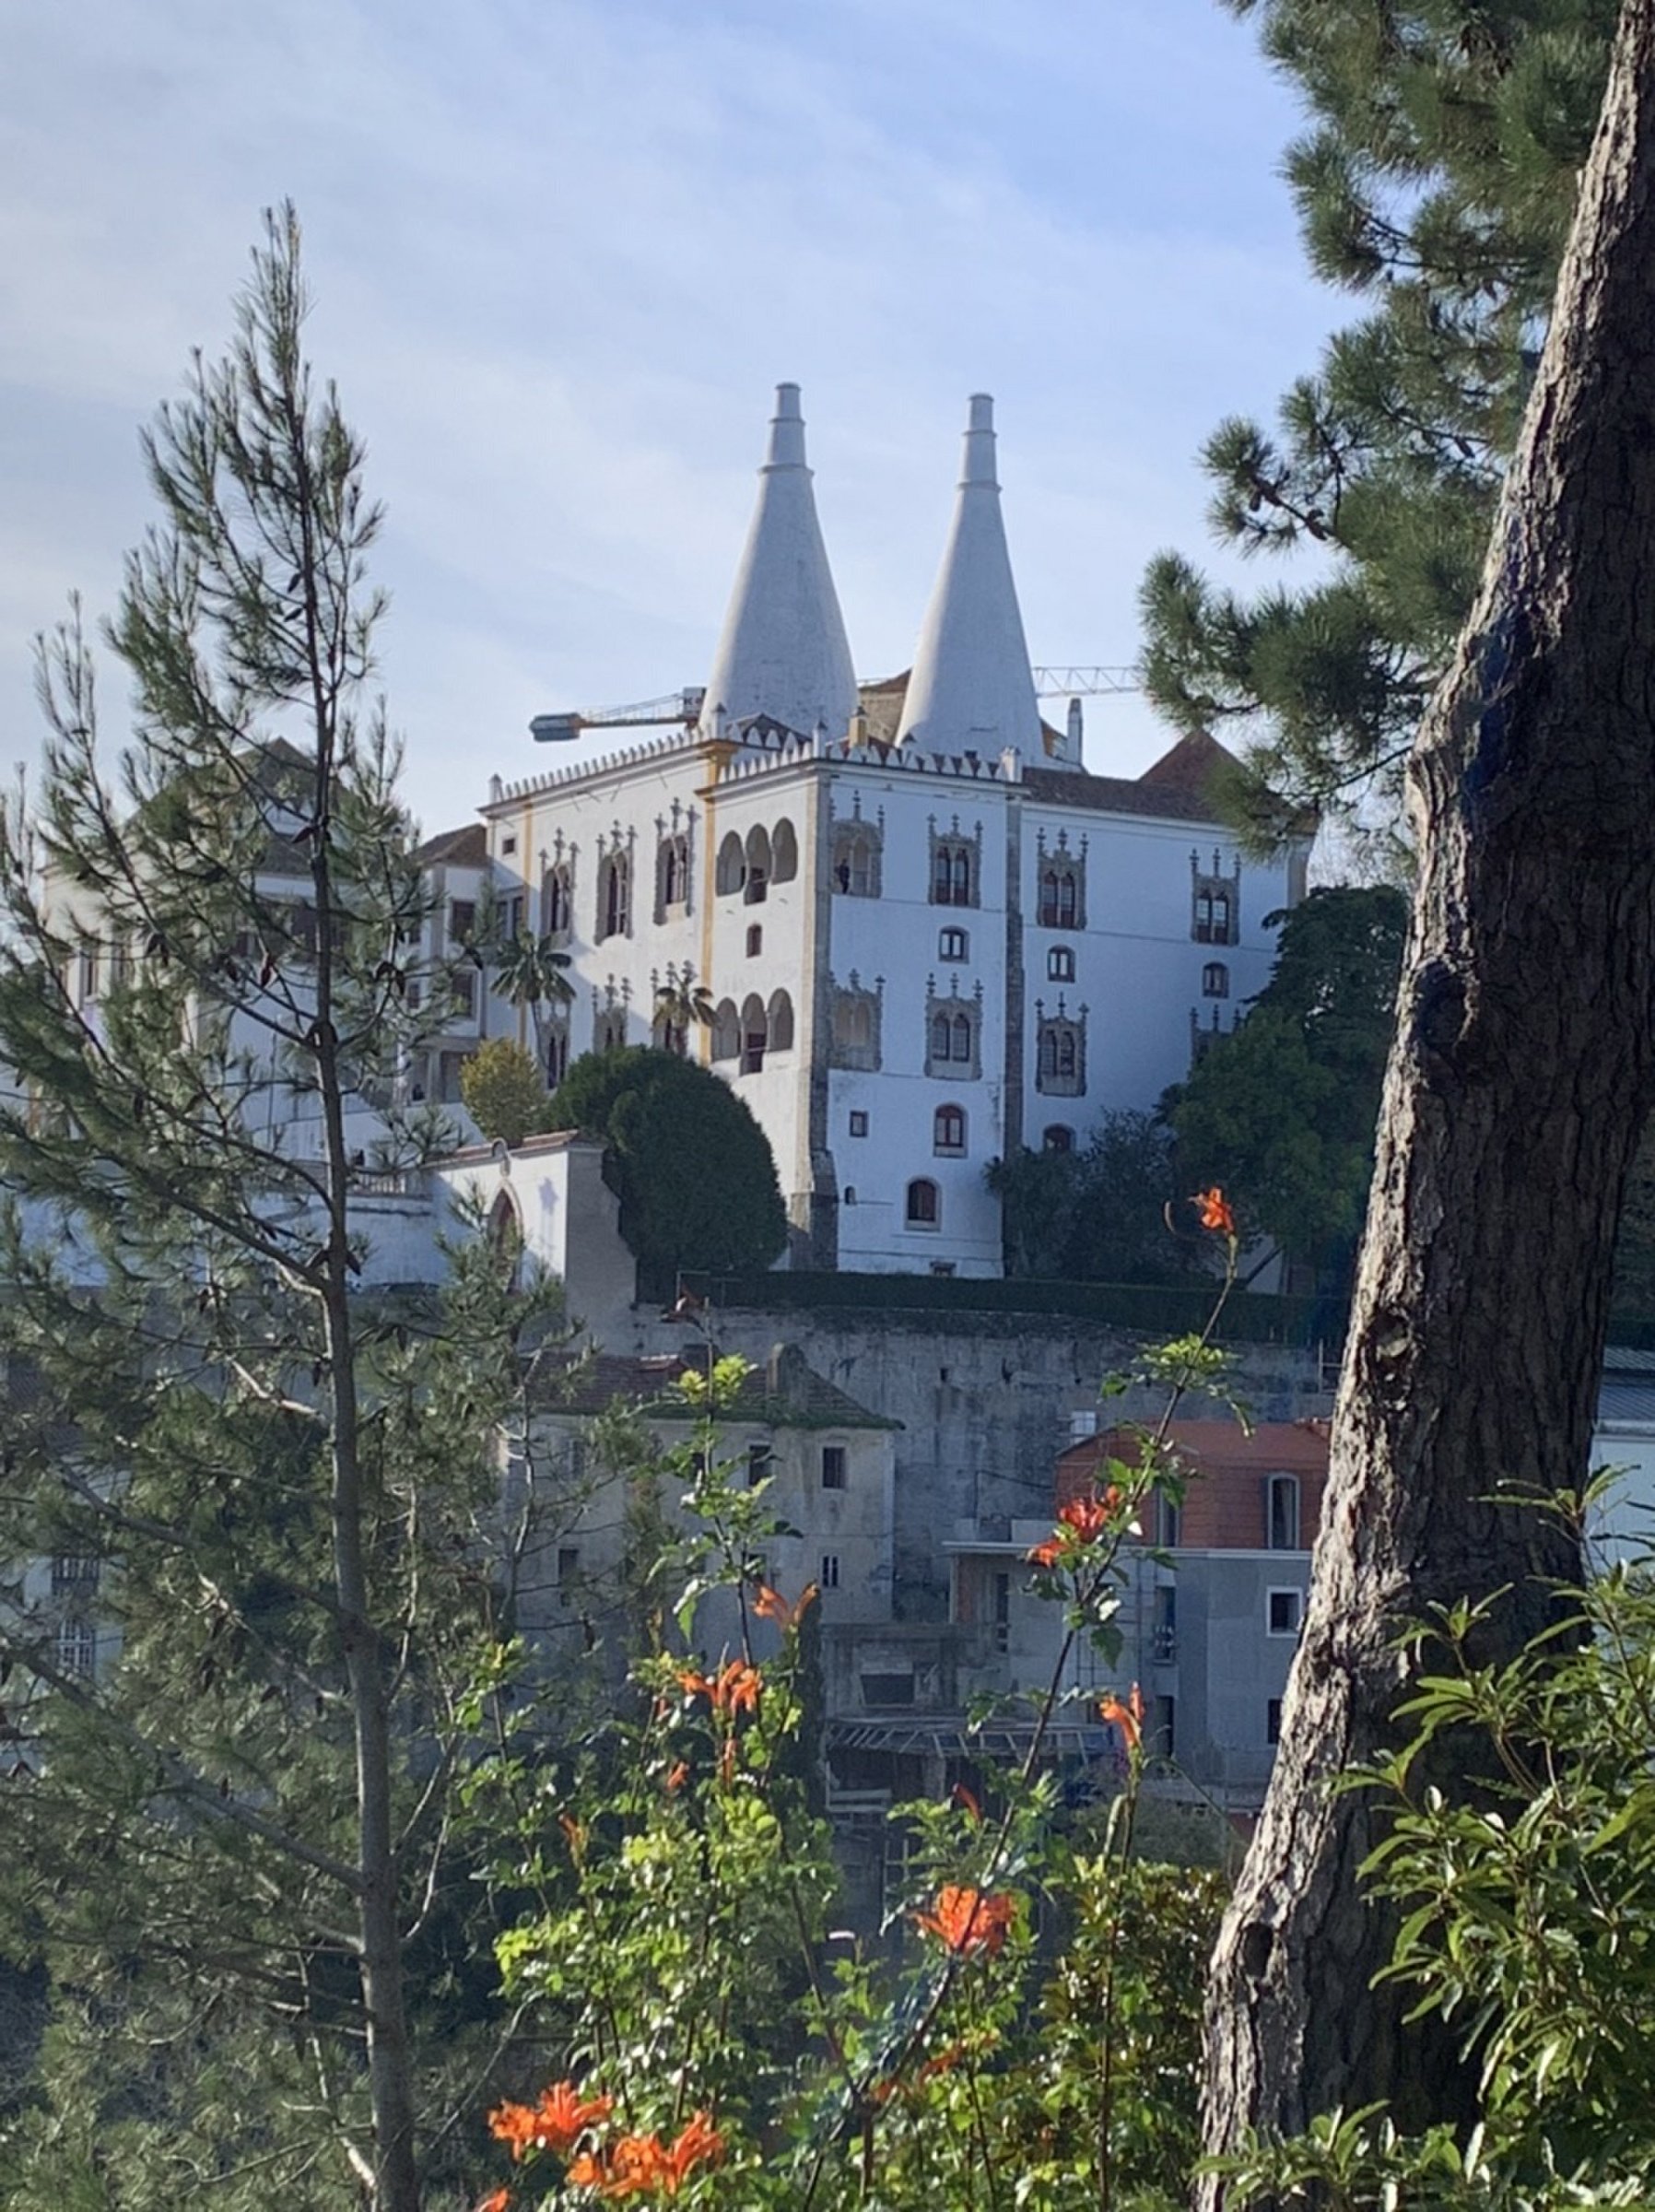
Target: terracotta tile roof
[884,698]
[1191,765]
[1117,794]
[464,848]
[1215,1446]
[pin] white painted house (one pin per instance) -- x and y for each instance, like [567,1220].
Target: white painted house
[931,937]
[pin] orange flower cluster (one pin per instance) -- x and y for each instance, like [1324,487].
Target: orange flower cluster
[555,2123]
[966,1920]
[643,2165]
[769,1604]
[1128,1718]
[1082,1520]
[734,1688]
[1215,1210]
[944,2062]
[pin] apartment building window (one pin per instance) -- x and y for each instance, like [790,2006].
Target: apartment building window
[1281,1513]
[569,1570]
[956,864]
[73,1570]
[828,1578]
[1212,918]
[952,1034]
[1284,1610]
[463,984]
[615,896]
[924,1205]
[948,1129]
[833,1467]
[1163,1729]
[88,970]
[511,917]
[461,921]
[951,1037]
[76,1647]
[671,875]
[1168,1523]
[760,1464]
[1165,1624]
[1059,1052]
[855,866]
[758,863]
[557,899]
[1060,898]
[951,875]
[1215,901]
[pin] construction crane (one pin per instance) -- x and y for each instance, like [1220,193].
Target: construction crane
[1084,683]
[686,706]
[674,706]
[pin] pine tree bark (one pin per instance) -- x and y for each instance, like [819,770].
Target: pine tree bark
[1518,1081]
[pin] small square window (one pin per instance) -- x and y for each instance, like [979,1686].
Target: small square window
[859,1124]
[828,1578]
[507,846]
[1283,1611]
[833,1467]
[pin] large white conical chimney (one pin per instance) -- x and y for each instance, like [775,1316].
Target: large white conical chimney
[783,651]
[972,689]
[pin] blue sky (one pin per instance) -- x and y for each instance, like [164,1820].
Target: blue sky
[563,250]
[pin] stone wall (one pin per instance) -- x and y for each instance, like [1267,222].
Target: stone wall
[986,1404]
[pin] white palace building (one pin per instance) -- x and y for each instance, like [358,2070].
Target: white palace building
[931,936]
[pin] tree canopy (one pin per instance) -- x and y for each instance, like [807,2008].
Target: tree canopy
[250,1500]
[1099,1214]
[1435,182]
[692,1169]
[1281,1111]
[504,1089]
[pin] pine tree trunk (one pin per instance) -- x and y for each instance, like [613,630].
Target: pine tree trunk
[1518,1081]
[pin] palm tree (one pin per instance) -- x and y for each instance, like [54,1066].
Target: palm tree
[530,972]
[680,1003]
